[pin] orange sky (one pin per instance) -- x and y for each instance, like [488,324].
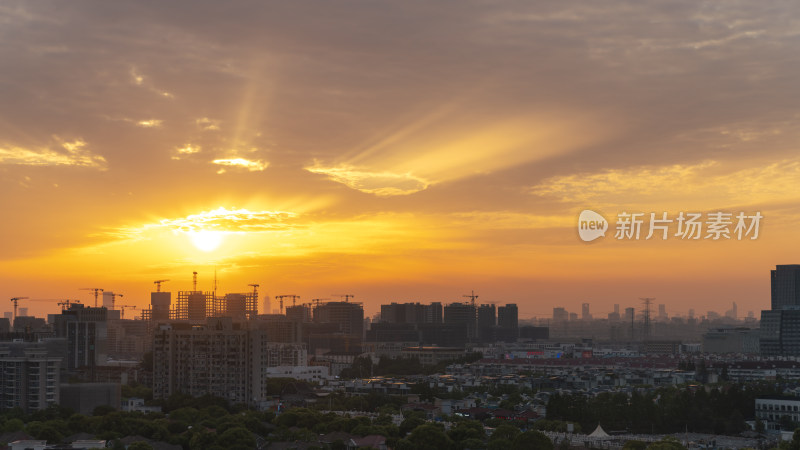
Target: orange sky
[397,151]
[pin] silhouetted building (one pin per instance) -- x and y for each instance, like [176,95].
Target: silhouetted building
[299,313]
[86,330]
[780,326]
[462,313]
[220,358]
[487,321]
[28,376]
[508,323]
[785,286]
[236,306]
[160,303]
[349,316]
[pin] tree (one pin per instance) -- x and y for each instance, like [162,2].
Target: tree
[237,439]
[410,423]
[140,445]
[429,437]
[532,439]
[506,432]
[634,445]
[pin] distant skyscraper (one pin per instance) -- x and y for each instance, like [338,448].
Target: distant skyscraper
[23,311]
[616,308]
[159,305]
[780,327]
[9,315]
[235,306]
[108,299]
[348,315]
[508,322]
[662,312]
[560,314]
[630,314]
[463,313]
[487,319]
[585,314]
[785,286]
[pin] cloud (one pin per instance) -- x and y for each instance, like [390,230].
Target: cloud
[708,184]
[188,149]
[206,124]
[221,219]
[382,184]
[150,123]
[71,153]
[252,166]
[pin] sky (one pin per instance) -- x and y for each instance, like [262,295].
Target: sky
[397,150]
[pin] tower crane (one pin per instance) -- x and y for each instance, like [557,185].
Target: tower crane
[64,304]
[472,297]
[346,297]
[255,290]
[16,300]
[280,300]
[113,298]
[158,284]
[96,291]
[122,310]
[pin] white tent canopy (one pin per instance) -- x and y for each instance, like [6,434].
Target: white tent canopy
[599,433]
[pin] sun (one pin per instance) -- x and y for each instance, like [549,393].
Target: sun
[206,240]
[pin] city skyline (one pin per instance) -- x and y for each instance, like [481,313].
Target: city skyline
[398,152]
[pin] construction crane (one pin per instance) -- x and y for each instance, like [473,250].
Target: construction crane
[64,304]
[255,290]
[346,297]
[280,300]
[472,297]
[113,298]
[316,301]
[15,300]
[158,284]
[294,299]
[96,291]
[122,310]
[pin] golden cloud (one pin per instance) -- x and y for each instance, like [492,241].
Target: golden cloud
[379,183]
[252,166]
[72,153]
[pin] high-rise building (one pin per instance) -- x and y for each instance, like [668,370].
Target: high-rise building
[487,321]
[108,299]
[236,306]
[585,314]
[433,313]
[560,314]
[508,323]
[299,313]
[220,358]
[8,315]
[348,315]
[86,330]
[160,303]
[785,286]
[780,326]
[23,311]
[462,313]
[630,314]
[28,376]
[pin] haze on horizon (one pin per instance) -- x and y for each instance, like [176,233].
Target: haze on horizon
[398,151]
